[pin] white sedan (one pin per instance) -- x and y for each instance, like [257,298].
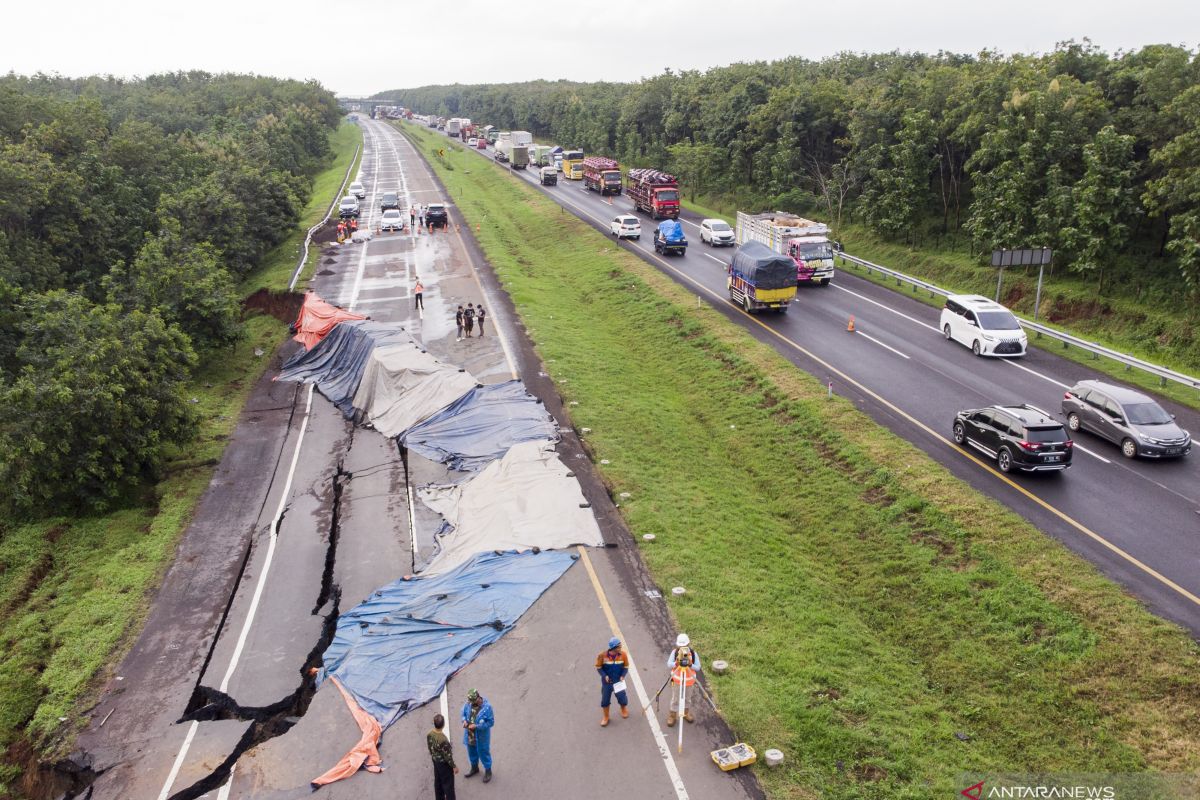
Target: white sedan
[626,226]
[472,142]
[392,220]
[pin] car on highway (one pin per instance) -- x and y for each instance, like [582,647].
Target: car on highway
[358,190]
[436,215]
[389,200]
[348,207]
[481,143]
[392,220]
[473,142]
[986,327]
[1019,437]
[1132,420]
[626,226]
[716,233]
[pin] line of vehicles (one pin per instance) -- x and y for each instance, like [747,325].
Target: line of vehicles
[776,252]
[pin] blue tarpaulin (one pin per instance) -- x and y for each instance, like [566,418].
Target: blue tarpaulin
[337,362]
[481,426]
[395,651]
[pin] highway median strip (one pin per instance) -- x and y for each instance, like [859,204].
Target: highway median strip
[887,627]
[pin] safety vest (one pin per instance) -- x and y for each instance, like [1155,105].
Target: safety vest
[683,672]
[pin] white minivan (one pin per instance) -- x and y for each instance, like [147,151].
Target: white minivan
[986,327]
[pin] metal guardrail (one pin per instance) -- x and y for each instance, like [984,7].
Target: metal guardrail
[1039,330]
[308,237]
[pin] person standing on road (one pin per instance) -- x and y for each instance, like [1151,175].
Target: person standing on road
[611,665]
[477,720]
[421,214]
[684,663]
[412,216]
[458,320]
[469,319]
[442,756]
[481,315]
[419,295]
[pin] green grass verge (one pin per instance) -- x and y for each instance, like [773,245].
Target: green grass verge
[74,591]
[887,626]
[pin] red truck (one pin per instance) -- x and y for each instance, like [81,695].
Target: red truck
[602,175]
[654,192]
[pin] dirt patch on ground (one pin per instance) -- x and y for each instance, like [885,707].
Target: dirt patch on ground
[1064,309]
[283,306]
[326,233]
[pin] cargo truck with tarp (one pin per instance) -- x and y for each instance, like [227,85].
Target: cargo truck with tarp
[669,238]
[602,175]
[653,192]
[515,155]
[759,278]
[802,240]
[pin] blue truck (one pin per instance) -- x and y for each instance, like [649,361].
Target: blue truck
[669,238]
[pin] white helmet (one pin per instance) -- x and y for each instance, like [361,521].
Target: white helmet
[682,640]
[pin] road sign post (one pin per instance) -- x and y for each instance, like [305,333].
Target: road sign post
[1026,257]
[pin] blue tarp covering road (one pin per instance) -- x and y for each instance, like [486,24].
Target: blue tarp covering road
[337,362]
[481,426]
[395,651]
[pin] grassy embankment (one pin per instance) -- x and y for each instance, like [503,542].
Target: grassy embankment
[1159,329]
[887,626]
[74,591]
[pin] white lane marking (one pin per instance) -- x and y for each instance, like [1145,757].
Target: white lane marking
[445,707]
[1035,373]
[258,589]
[1078,446]
[187,742]
[886,308]
[714,258]
[224,793]
[881,344]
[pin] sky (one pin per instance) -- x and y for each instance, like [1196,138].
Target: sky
[377,46]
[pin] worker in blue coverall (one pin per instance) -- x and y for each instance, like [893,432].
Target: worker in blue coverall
[612,665]
[477,720]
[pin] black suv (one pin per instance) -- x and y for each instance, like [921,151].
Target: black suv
[1127,418]
[390,200]
[435,215]
[1018,437]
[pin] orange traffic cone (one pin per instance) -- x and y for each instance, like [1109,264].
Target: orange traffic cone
[850,325]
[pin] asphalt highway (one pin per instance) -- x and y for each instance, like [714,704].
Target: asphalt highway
[308,515]
[1137,521]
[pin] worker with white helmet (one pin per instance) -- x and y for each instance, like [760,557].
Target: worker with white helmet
[684,663]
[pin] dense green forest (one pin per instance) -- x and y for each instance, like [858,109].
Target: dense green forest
[129,210]
[1095,155]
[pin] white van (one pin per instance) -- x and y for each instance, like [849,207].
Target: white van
[986,327]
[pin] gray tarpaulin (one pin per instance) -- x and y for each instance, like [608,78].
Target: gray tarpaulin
[403,385]
[337,362]
[481,426]
[524,500]
[763,267]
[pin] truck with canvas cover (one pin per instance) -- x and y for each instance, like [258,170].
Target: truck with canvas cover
[453,126]
[669,238]
[602,175]
[572,164]
[516,155]
[802,240]
[492,133]
[760,278]
[524,138]
[653,192]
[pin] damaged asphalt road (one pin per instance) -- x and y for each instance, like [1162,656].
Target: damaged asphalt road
[217,699]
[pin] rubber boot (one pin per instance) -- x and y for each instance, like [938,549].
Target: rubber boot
[624,712]
[473,771]
[487,775]
[687,714]
[604,717]
[672,718]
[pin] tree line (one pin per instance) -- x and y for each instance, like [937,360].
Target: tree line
[129,211]
[1093,154]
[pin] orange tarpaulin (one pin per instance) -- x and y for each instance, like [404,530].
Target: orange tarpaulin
[365,754]
[317,318]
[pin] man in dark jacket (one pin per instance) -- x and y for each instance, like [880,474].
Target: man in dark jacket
[442,756]
[612,665]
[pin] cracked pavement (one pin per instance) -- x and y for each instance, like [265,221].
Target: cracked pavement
[216,700]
